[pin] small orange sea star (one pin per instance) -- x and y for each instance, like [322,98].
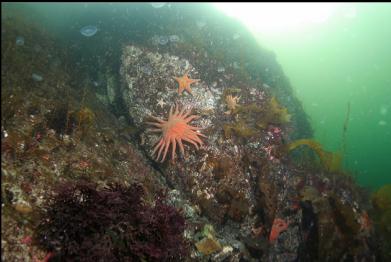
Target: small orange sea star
[278,226]
[174,130]
[184,83]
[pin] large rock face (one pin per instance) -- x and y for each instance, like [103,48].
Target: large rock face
[148,78]
[240,179]
[222,176]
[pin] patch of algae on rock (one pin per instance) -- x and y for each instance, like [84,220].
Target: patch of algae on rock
[253,118]
[381,201]
[209,244]
[331,161]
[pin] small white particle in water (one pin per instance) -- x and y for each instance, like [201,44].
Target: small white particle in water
[158,5]
[37,77]
[19,40]
[383,110]
[174,38]
[200,24]
[382,123]
[5,133]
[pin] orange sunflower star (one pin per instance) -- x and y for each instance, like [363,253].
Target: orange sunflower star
[185,82]
[174,130]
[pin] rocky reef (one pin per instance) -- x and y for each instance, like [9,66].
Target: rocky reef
[69,144]
[242,179]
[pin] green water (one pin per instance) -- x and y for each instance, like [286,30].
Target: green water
[339,62]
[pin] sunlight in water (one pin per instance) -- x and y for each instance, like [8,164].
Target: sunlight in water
[278,17]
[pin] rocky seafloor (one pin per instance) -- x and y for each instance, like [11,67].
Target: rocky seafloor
[80,181]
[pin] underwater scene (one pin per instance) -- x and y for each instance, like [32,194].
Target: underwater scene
[195,132]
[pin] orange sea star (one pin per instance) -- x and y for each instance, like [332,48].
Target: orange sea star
[174,130]
[279,225]
[184,83]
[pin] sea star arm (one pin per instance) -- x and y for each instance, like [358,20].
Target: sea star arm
[183,112]
[195,128]
[155,130]
[176,109]
[158,119]
[181,146]
[173,141]
[190,141]
[191,118]
[158,145]
[171,112]
[154,124]
[197,139]
[199,134]
[167,145]
[160,150]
